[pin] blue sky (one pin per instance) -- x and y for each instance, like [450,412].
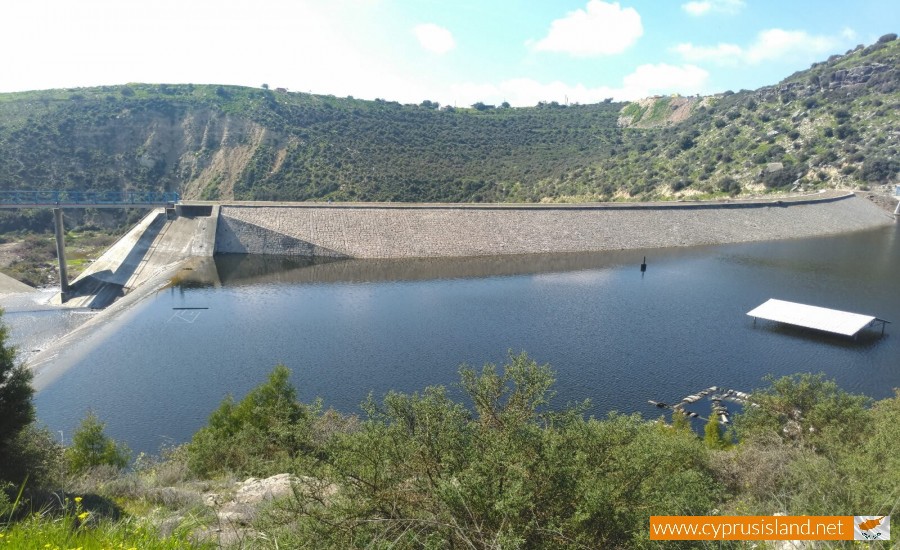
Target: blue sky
[453,52]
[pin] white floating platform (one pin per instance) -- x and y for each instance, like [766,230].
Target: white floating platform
[814,317]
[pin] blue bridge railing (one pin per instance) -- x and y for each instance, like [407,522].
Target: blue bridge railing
[87,198]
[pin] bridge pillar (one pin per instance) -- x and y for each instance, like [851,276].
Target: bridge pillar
[61,251]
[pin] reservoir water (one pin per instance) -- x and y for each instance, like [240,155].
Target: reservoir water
[613,335]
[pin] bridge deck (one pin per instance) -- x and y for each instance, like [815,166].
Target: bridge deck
[85,199]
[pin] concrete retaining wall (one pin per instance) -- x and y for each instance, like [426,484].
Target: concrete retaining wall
[408,231]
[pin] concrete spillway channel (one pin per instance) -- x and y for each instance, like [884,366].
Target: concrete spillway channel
[155,245]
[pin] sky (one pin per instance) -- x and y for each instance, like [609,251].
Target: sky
[455,53]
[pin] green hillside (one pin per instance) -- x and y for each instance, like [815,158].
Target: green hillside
[832,125]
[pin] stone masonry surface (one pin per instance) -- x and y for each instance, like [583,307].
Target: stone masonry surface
[411,231]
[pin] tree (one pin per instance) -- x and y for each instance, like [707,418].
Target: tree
[265,86]
[16,409]
[91,447]
[680,421]
[712,434]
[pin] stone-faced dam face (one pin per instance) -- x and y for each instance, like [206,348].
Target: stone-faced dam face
[435,230]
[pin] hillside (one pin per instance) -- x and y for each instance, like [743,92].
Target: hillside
[832,125]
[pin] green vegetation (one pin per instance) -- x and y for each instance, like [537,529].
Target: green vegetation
[76,527]
[92,448]
[16,410]
[266,432]
[31,257]
[422,470]
[830,125]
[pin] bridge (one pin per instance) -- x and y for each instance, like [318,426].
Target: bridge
[57,200]
[87,199]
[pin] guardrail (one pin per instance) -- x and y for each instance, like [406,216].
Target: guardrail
[86,198]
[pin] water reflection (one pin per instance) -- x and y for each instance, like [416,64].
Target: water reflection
[240,269]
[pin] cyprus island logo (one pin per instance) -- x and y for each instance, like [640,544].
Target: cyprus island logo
[871,527]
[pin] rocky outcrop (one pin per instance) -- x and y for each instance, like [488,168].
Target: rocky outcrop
[235,509]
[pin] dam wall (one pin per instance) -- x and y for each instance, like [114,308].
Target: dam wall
[441,230]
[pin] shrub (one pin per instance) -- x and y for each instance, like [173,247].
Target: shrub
[805,408]
[92,448]
[259,435]
[424,471]
[879,170]
[780,178]
[16,409]
[730,185]
[844,131]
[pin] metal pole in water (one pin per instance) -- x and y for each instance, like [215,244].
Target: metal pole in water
[61,251]
[644,265]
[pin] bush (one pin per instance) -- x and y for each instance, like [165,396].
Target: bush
[730,185]
[16,409]
[880,170]
[260,435]
[844,131]
[425,471]
[781,178]
[806,408]
[92,448]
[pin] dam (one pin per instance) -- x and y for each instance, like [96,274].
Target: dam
[436,230]
[157,245]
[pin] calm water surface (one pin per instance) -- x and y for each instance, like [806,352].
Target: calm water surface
[613,335]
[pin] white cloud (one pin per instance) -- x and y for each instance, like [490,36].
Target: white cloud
[698,8]
[662,78]
[723,54]
[645,81]
[434,38]
[778,43]
[848,33]
[770,45]
[600,29]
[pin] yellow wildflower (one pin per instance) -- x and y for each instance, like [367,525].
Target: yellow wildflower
[77,500]
[83,515]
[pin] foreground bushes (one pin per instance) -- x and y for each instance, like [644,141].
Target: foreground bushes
[505,469]
[422,469]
